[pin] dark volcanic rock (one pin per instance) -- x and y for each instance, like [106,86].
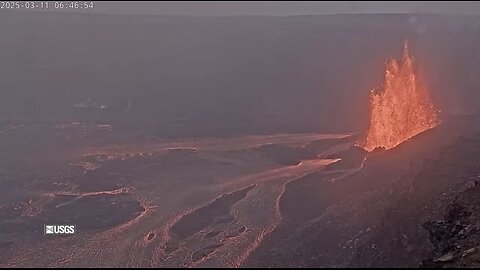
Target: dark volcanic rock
[458,233]
[209,214]
[374,217]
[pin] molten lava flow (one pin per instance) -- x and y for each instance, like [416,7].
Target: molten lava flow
[401,110]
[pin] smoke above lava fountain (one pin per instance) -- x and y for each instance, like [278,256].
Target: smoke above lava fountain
[401,109]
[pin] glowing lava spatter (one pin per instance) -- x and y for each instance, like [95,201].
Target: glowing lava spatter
[401,110]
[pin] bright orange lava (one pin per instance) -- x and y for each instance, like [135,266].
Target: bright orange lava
[401,110]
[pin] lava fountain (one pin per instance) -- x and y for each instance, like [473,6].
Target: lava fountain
[401,109]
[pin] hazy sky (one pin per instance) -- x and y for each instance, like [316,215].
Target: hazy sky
[229,8]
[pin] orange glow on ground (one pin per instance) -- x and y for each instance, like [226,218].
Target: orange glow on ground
[401,109]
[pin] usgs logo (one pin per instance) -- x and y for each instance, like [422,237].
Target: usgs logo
[59,229]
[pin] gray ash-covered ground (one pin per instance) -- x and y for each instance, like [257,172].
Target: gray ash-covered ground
[142,201]
[295,200]
[412,206]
